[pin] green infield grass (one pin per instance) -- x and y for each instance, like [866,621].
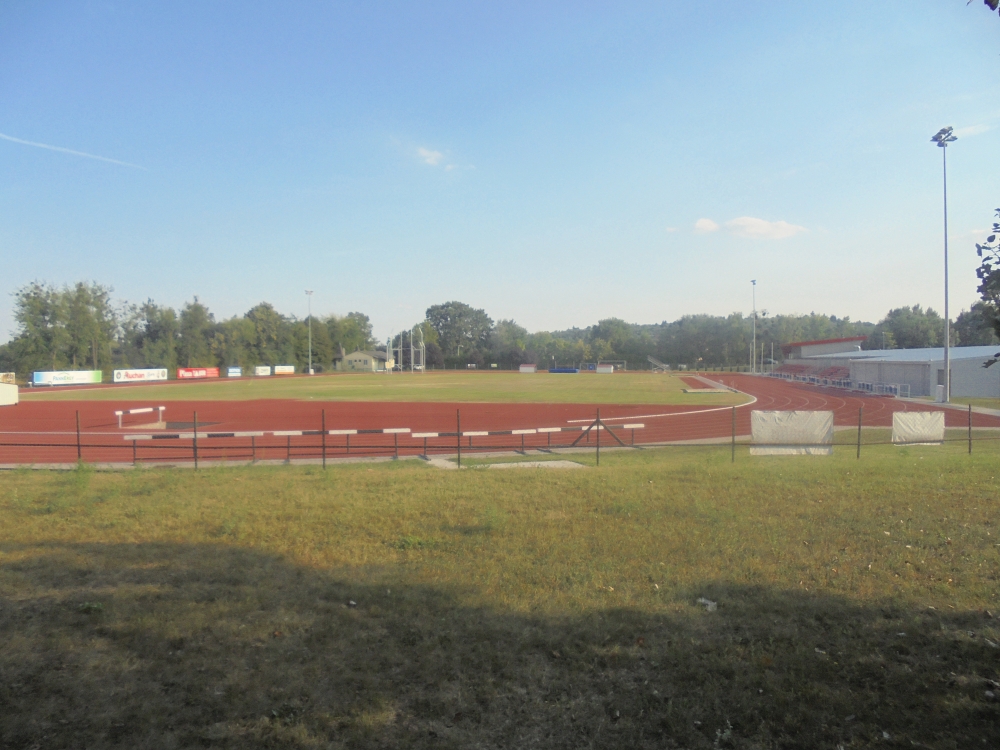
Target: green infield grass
[500,387]
[985,403]
[666,599]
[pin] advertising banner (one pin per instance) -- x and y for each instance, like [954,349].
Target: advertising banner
[66,377]
[186,373]
[135,376]
[7,377]
[284,369]
[262,371]
[234,372]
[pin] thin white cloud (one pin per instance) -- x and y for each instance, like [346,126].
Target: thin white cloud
[62,150]
[704,226]
[971,130]
[671,230]
[427,156]
[748,226]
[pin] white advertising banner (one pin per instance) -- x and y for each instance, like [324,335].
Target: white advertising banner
[528,368]
[8,394]
[234,372]
[918,427]
[790,433]
[262,370]
[67,377]
[137,376]
[284,369]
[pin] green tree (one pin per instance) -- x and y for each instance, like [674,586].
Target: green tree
[352,332]
[974,327]
[155,333]
[195,329]
[90,325]
[272,337]
[989,276]
[508,344]
[463,331]
[40,343]
[912,327]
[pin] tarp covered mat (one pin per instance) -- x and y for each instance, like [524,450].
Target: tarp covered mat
[918,427]
[789,433]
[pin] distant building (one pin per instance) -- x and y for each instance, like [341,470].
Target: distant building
[975,370]
[361,361]
[804,349]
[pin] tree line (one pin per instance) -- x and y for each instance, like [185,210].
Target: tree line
[82,327]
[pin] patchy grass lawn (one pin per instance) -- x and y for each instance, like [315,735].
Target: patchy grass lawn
[469,387]
[850,603]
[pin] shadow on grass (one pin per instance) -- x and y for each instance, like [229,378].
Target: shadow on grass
[165,646]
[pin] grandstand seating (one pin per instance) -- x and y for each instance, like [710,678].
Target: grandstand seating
[789,370]
[835,373]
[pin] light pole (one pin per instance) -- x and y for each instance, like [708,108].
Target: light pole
[309,298]
[753,349]
[942,138]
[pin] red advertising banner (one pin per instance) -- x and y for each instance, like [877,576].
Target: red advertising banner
[186,373]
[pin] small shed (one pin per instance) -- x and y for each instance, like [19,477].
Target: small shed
[364,361]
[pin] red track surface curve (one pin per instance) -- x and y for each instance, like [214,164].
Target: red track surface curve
[45,432]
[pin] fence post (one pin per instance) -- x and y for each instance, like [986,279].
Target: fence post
[134,441]
[732,458]
[288,450]
[598,436]
[78,450]
[860,411]
[395,445]
[195,440]
[970,429]
[458,422]
[253,449]
[324,438]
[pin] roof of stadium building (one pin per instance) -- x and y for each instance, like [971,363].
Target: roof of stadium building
[933,354]
[819,342]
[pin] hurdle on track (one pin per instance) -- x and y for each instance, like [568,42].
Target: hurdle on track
[144,410]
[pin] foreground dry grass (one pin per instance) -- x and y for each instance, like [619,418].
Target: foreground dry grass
[400,606]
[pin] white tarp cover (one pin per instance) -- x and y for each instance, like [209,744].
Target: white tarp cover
[528,368]
[8,394]
[920,427]
[791,433]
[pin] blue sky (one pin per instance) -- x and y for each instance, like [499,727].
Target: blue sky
[554,163]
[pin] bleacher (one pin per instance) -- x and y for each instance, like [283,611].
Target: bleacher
[834,373]
[838,377]
[790,371]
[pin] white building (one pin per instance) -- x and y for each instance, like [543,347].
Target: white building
[920,370]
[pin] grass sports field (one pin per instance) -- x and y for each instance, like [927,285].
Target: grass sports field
[851,604]
[484,387]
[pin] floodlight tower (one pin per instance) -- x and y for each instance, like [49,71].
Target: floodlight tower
[753,349]
[942,138]
[309,298]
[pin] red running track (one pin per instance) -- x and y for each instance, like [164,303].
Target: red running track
[45,432]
